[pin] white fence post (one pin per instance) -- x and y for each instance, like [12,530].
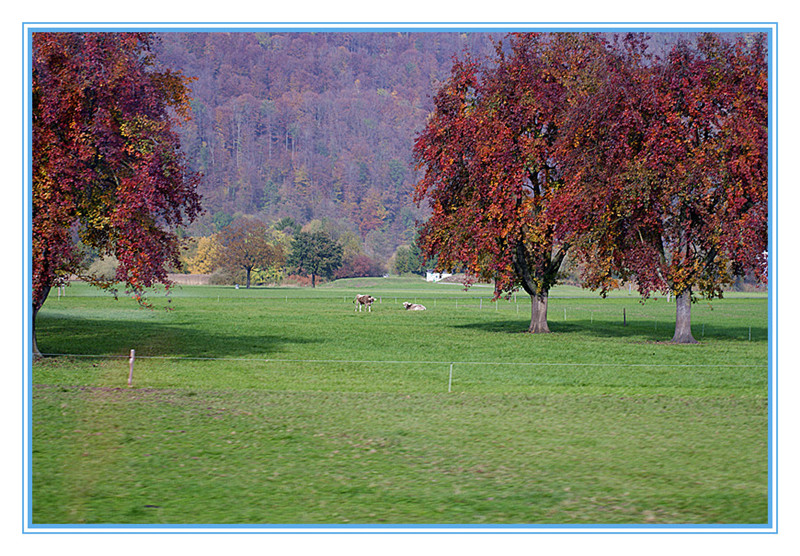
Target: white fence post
[450,382]
[130,374]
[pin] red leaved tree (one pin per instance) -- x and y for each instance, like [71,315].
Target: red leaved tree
[107,169]
[491,170]
[666,167]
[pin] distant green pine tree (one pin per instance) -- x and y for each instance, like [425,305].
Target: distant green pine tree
[315,254]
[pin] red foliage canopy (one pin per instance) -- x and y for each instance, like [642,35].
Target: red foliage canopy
[666,168]
[106,162]
[491,170]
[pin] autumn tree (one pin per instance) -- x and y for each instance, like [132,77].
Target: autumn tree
[248,244]
[314,254]
[667,171]
[205,256]
[107,167]
[490,167]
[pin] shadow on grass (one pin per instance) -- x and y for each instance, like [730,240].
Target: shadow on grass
[112,337]
[639,330]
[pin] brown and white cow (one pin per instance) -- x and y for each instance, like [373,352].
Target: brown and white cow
[413,306]
[362,300]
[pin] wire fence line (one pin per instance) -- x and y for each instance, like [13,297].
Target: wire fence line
[431,367]
[412,362]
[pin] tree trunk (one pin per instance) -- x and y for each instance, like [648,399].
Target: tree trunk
[36,353]
[247,270]
[539,314]
[683,319]
[313,280]
[37,304]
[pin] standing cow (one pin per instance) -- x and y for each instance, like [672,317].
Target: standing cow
[362,300]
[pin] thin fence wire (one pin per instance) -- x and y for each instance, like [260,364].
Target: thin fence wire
[411,362]
[461,373]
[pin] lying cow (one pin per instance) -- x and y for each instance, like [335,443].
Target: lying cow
[362,300]
[413,306]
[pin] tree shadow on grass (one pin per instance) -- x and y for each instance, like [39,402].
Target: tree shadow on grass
[639,330]
[112,337]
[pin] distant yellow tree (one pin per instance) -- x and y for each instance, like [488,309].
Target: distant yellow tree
[204,260]
[281,239]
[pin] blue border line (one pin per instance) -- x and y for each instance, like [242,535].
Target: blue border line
[459,26]
[770,28]
[455,527]
[772,241]
[27,266]
[25,289]
[415,27]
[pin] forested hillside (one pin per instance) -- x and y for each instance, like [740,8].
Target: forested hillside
[312,125]
[316,125]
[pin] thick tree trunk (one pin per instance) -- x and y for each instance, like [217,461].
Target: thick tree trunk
[538,289]
[247,270]
[313,280]
[683,319]
[539,314]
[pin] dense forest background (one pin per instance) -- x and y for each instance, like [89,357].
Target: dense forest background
[316,126]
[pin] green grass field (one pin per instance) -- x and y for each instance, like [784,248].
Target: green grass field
[285,406]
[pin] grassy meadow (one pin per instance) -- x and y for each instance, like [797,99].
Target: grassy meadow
[286,406]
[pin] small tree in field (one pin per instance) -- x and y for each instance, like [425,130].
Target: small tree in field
[248,244]
[107,164]
[314,254]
